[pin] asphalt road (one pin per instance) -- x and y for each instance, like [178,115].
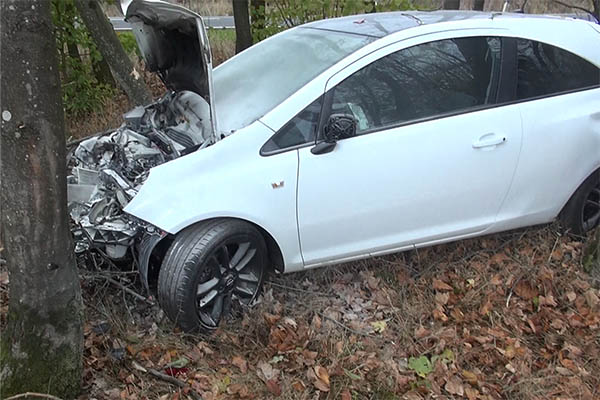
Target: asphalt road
[221,22]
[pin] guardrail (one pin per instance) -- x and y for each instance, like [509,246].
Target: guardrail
[217,22]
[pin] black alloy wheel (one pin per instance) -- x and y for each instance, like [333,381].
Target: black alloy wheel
[590,212]
[581,214]
[230,273]
[210,268]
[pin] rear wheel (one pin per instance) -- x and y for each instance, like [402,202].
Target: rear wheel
[582,212]
[208,268]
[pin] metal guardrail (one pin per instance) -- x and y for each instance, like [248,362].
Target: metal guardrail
[217,22]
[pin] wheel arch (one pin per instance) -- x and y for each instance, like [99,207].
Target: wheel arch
[574,191]
[153,253]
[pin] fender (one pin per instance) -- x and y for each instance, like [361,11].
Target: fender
[227,179]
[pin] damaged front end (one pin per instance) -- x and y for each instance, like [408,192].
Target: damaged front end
[107,170]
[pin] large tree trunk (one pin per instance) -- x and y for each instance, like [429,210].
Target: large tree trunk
[110,47]
[41,348]
[451,4]
[243,37]
[478,5]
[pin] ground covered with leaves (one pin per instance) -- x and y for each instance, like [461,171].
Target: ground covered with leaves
[514,315]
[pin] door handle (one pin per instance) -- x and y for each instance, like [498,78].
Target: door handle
[489,140]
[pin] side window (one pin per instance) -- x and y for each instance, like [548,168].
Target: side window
[423,81]
[300,130]
[544,70]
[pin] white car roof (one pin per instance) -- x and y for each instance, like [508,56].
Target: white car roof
[383,24]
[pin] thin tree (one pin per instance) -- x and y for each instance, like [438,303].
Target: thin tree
[101,30]
[42,345]
[594,10]
[241,17]
[451,4]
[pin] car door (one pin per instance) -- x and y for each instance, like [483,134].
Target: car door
[432,158]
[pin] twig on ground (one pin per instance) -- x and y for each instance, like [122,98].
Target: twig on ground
[32,394]
[168,378]
[128,290]
[297,289]
[345,327]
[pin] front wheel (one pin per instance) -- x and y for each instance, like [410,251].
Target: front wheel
[582,212]
[209,267]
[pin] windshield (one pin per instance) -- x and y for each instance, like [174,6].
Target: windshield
[258,79]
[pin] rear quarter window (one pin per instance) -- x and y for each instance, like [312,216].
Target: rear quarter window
[545,70]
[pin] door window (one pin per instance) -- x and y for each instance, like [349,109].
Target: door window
[300,130]
[424,81]
[544,70]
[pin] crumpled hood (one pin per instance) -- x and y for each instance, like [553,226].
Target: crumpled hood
[173,42]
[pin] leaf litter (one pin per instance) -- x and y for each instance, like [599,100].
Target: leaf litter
[512,315]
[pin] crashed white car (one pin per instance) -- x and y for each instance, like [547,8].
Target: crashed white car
[339,140]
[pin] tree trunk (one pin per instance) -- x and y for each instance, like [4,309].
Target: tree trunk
[451,4]
[243,37]
[41,348]
[478,5]
[112,51]
[102,72]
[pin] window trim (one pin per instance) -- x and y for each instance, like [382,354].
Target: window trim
[494,103]
[266,153]
[506,87]
[514,56]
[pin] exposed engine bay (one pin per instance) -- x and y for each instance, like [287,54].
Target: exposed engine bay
[106,171]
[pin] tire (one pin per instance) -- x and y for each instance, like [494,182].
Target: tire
[209,266]
[582,212]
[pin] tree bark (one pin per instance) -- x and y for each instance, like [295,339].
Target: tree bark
[112,51]
[243,37]
[42,345]
[451,4]
[478,5]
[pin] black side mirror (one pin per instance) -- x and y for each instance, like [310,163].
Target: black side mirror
[339,126]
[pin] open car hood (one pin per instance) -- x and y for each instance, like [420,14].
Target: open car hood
[174,44]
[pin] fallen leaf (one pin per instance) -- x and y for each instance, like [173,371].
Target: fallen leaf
[266,372]
[240,363]
[299,386]
[442,298]
[379,326]
[322,374]
[320,385]
[496,280]
[591,298]
[271,319]
[525,290]
[510,367]
[485,308]
[290,322]
[421,332]
[439,315]
[470,377]
[273,387]
[421,365]
[455,386]
[441,285]
[345,395]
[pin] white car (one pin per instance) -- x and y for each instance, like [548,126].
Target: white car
[355,137]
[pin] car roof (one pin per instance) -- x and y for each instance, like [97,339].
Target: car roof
[383,24]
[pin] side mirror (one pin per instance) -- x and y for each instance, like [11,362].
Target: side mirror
[339,126]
